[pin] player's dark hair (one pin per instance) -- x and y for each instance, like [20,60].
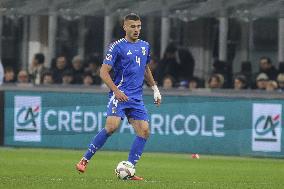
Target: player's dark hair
[131,16]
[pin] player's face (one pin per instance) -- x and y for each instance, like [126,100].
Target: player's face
[132,29]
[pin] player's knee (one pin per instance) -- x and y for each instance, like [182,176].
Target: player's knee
[110,129]
[145,132]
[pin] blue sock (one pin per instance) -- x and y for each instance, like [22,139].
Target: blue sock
[97,142]
[136,149]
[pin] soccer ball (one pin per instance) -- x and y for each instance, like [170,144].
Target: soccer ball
[124,170]
[195,156]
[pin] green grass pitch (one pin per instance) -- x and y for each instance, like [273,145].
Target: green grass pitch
[55,168]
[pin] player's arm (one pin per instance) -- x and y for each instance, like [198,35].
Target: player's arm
[105,76]
[150,80]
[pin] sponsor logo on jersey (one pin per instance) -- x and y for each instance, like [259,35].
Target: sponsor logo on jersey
[129,52]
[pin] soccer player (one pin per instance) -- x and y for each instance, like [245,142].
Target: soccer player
[128,58]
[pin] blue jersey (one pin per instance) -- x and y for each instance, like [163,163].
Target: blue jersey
[128,61]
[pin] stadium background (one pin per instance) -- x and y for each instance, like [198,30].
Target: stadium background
[209,120]
[45,128]
[231,31]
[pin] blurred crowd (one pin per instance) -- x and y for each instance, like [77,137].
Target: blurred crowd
[61,72]
[266,78]
[174,70]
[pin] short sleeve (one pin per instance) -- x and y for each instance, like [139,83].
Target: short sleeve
[149,55]
[111,55]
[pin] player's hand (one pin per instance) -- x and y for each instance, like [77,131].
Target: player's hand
[120,96]
[157,95]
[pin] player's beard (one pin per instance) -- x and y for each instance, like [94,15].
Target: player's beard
[135,36]
[132,36]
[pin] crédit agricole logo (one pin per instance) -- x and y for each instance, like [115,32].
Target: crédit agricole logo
[27,119]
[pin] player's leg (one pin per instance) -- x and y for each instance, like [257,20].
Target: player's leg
[112,123]
[141,128]
[138,117]
[115,112]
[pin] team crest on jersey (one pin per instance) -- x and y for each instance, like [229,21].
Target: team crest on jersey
[143,50]
[108,57]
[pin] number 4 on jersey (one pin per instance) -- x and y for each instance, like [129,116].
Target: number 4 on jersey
[138,60]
